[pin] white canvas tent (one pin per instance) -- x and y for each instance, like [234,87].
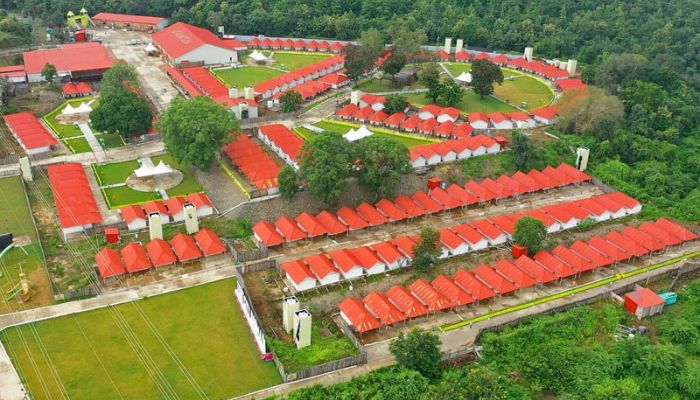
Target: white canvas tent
[84,107]
[464,77]
[357,134]
[148,169]
[258,56]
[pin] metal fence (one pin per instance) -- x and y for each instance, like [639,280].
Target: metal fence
[88,291]
[258,266]
[323,368]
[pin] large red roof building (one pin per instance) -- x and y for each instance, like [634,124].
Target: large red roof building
[182,43]
[87,60]
[128,21]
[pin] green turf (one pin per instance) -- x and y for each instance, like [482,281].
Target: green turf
[189,183]
[17,219]
[78,145]
[110,141]
[524,88]
[65,130]
[456,69]
[470,103]
[294,60]
[246,76]
[89,351]
[407,139]
[118,197]
[109,174]
[374,85]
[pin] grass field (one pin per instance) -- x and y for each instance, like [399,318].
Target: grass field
[118,197]
[456,69]
[202,326]
[188,185]
[17,219]
[470,103]
[78,145]
[246,76]
[109,174]
[110,141]
[374,85]
[525,88]
[64,130]
[292,60]
[329,126]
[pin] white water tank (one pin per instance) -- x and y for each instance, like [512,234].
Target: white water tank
[290,305]
[571,67]
[155,226]
[448,45]
[233,93]
[528,53]
[302,328]
[459,46]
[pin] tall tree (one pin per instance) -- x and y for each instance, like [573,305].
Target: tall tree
[358,61]
[373,41]
[118,75]
[121,111]
[429,76]
[291,100]
[452,93]
[394,64]
[427,250]
[195,129]
[49,72]
[324,166]
[288,180]
[384,161]
[530,232]
[523,150]
[407,40]
[484,74]
[419,350]
[395,103]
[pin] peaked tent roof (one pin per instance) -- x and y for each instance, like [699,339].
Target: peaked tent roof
[209,242]
[476,288]
[160,253]
[320,265]
[381,306]
[424,291]
[109,263]
[535,270]
[309,224]
[448,288]
[289,229]
[359,316]
[185,247]
[344,260]
[352,219]
[520,278]
[405,301]
[331,223]
[135,258]
[267,233]
[298,271]
[494,280]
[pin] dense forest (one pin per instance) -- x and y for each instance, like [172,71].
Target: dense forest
[643,126]
[568,355]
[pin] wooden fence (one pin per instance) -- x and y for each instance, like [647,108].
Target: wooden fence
[258,266]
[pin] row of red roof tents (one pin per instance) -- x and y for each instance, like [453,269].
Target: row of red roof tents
[307,90]
[571,84]
[257,166]
[290,80]
[334,46]
[182,43]
[158,253]
[30,133]
[75,201]
[282,141]
[136,217]
[355,313]
[87,60]
[452,150]
[183,82]
[80,89]
[403,207]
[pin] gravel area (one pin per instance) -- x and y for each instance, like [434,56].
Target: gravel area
[222,191]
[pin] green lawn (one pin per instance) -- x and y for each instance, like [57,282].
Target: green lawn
[294,60]
[189,183]
[470,103]
[456,69]
[78,145]
[17,219]
[374,85]
[110,141]
[109,174]
[64,130]
[407,139]
[90,352]
[525,88]
[245,76]
[118,197]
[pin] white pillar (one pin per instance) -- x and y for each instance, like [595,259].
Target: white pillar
[302,328]
[26,169]
[191,222]
[571,67]
[155,226]
[528,53]
[448,45]
[459,46]
[582,154]
[290,305]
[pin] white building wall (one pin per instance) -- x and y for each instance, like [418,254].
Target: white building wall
[137,224]
[479,125]
[209,55]
[444,118]
[376,269]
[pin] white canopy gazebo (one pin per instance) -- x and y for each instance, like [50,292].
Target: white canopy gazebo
[258,56]
[464,77]
[150,48]
[357,134]
[84,107]
[148,169]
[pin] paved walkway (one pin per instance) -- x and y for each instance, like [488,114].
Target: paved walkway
[93,142]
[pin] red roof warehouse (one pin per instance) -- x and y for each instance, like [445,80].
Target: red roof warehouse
[30,133]
[181,43]
[135,22]
[78,60]
[75,202]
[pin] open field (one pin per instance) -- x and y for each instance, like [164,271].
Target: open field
[344,127]
[78,145]
[374,85]
[292,60]
[471,102]
[245,76]
[17,219]
[93,358]
[525,88]
[109,174]
[65,130]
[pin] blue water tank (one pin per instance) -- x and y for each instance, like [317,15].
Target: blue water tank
[669,298]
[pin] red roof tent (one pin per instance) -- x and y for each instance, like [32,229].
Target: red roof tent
[448,202]
[348,111]
[661,235]
[298,271]
[541,180]
[553,264]
[75,57]
[359,316]
[476,288]
[74,198]
[175,204]
[371,215]
[191,89]
[572,259]
[519,277]
[390,210]
[29,131]
[289,229]
[644,298]
[596,258]
[627,244]
[411,122]
[450,239]
[545,218]
[131,213]
[205,80]
[427,294]
[487,229]
[462,130]
[365,256]
[406,302]
[381,306]
[127,18]
[535,270]
[320,265]
[498,190]
[267,233]
[135,258]
[605,247]
[576,174]
[558,179]
[479,191]
[494,280]
[387,251]
[109,263]
[160,253]
[464,197]
[676,229]
[448,288]
[180,38]
[352,219]
[395,119]
[254,162]
[468,233]
[209,242]
[185,247]
[525,182]
[546,112]
[504,223]
[331,223]
[643,239]
[428,203]
[309,224]
[344,260]
[409,206]
[511,185]
[82,88]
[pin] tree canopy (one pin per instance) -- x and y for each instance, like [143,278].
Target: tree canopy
[384,161]
[291,100]
[395,103]
[530,232]
[484,74]
[119,75]
[427,250]
[121,111]
[49,72]
[195,129]
[418,350]
[288,180]
[358,61]
[324,166]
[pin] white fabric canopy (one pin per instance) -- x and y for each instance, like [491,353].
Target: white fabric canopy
[148,169]
[150,48]
[257,56]
[465,77]
[84,107]
[357,134]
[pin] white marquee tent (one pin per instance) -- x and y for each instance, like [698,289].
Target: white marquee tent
[357,134]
